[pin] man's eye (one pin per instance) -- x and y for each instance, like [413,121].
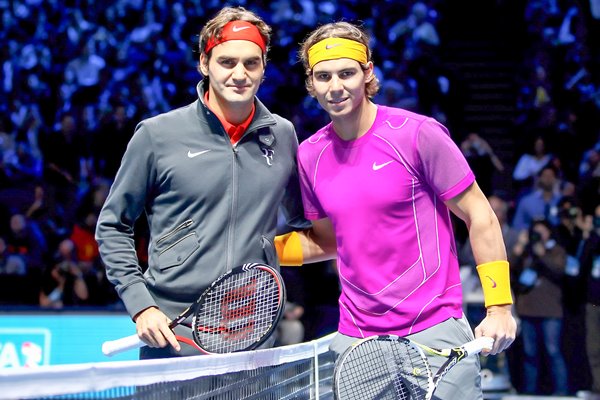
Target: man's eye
[322,77]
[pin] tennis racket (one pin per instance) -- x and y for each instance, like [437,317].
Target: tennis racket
[237,312]
[395,368]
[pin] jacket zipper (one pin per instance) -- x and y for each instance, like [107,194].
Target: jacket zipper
[174,231]
[231,228]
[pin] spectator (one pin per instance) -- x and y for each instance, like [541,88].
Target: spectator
[63,282]
[541,202]
[589,179]
[48,216]
[26,239]
[482,159]
[10,263]
[540,266]
[569,231]
[531,163]
[82,236]
[419,32]
[85,72]
[111,140]
[64,153]
[590,271]
[569,234]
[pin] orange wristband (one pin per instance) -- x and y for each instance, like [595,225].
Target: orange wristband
[289,249]
[495,281]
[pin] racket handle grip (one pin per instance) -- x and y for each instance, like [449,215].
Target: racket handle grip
[112,347]
[477,345]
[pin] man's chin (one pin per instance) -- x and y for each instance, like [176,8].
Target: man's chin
[240,99]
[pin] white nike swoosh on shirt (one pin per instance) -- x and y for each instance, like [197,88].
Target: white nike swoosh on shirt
[192,155]
[379,166]
[239,28]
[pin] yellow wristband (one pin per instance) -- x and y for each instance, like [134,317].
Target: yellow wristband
[495,280]
[289,249]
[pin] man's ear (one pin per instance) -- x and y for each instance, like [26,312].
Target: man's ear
[369,72]
[203,65]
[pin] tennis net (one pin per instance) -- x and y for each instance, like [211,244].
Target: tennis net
[301,371]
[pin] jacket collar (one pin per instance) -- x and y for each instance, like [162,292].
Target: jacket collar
[262,116]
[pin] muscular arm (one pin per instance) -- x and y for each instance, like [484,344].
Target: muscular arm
[485,235]
[318,242]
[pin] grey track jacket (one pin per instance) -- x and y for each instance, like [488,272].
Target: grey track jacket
[211,206]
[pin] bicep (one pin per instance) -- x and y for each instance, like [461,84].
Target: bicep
[471,205]
[484,229]
[319,241]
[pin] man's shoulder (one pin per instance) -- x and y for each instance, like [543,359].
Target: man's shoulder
[396,114]
[182,115]
[392,120]
[188,109]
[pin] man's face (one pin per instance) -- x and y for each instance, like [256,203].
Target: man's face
[235,70]
[339,85]
[547,179]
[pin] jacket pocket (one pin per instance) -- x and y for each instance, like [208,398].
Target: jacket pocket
[177,253]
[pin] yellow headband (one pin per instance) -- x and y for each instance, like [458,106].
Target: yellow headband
[334,48]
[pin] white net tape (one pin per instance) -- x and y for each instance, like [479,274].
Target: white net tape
[277,373]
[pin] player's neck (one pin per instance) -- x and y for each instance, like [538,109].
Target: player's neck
[355,125]
[234,113]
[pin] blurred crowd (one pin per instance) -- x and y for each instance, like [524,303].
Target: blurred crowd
[77,75]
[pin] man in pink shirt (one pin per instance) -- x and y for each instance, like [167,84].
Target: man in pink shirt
[378,184]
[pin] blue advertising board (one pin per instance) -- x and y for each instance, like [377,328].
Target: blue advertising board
[34,339]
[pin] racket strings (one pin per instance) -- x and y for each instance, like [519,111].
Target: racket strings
[383,369]
[363,374]
[238,312]
[413,371]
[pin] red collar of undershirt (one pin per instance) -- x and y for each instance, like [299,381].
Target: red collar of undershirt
[235,132]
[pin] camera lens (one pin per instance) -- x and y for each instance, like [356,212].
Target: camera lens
[535,237]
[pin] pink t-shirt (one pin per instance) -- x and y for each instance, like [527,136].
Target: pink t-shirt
[384,194]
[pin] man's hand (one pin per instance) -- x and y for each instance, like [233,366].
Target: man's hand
[500,325]
[152,327]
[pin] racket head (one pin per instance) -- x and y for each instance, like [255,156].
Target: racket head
[239,310]
[382,367]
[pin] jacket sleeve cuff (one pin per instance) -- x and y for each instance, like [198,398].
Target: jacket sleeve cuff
[137,298]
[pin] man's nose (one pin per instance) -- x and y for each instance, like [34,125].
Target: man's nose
[239,71]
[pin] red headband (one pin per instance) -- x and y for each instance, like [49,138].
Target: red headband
[238,30]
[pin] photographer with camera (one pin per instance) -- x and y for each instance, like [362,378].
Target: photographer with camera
[63,283]
[590,273]
[571,232]
[539,267]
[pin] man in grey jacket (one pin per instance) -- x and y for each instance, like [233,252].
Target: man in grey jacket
[210,177]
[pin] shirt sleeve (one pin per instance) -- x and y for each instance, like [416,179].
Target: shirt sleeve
[115,228]
[443,165]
